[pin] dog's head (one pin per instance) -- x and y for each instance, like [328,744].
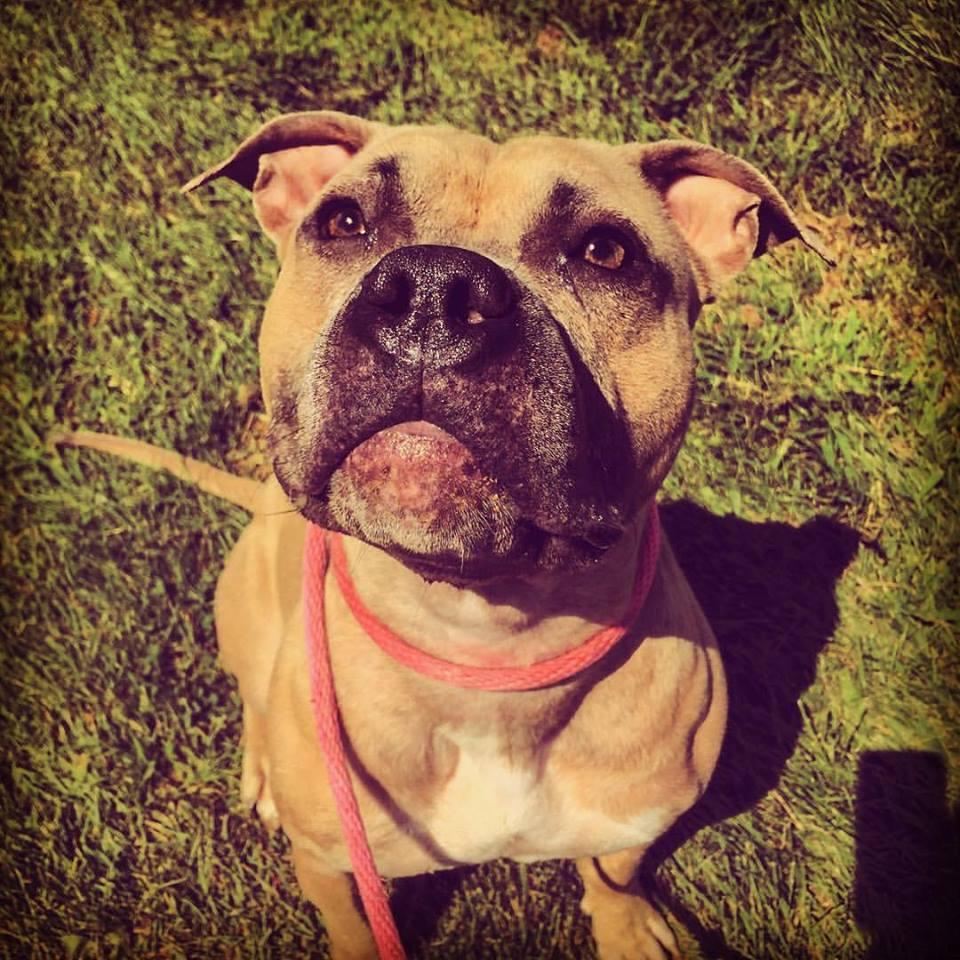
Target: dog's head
[478,356]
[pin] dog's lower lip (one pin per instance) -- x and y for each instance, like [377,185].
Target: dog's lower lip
[419,428]
[415,474]
[410,440]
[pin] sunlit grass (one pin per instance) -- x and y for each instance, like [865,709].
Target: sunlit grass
[823,394]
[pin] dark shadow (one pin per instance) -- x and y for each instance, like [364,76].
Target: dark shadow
[907,889]
[442,915]
[768,590]
[419,902]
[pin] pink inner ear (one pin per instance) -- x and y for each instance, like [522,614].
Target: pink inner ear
[290,179]
[718,219]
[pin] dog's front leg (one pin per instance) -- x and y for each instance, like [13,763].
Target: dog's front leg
[626,925]
[332,894]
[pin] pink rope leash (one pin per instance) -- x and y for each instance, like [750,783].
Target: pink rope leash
[327,715]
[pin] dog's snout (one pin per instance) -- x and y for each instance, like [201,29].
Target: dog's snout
[436,305]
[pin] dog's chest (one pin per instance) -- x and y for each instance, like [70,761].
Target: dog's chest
[495,805]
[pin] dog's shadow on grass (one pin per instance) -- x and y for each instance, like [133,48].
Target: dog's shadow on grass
[768,590]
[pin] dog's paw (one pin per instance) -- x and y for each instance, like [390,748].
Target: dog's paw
[630,928]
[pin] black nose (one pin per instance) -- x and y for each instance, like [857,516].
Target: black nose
[437,306]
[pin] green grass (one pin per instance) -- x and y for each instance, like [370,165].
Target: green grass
[814,502]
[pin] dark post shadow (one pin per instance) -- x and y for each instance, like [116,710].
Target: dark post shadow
[768,590]
[907,888]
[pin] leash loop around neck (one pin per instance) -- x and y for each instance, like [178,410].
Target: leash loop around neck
[326,712]
[543,673]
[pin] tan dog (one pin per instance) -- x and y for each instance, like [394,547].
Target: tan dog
[477,364]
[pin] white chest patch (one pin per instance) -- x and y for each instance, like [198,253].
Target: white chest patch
[492,807]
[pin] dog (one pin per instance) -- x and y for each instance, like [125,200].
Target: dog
[477,365]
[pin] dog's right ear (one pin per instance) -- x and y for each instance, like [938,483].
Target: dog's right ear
[726,210]
[288,161]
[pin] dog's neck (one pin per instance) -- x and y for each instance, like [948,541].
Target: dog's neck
[515,621]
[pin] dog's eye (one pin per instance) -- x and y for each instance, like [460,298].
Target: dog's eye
[605,247]
[345,221]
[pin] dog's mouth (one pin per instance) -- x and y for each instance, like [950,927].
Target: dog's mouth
[417,491]
[485,507]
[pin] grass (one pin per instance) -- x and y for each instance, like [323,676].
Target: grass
[814,504]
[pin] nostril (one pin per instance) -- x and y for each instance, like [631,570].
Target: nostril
[457,306]
[476,300]
[389,290]
[493,297]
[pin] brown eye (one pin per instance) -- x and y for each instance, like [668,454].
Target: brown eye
[345,222]
[604,248]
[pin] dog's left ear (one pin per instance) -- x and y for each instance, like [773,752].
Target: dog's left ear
[288,161]
[727,211]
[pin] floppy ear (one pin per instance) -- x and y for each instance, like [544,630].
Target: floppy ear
[727,211]
[288,161]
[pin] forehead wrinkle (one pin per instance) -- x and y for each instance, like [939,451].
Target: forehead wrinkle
[605,185]
[382,173]
[388,169]
[443,174]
